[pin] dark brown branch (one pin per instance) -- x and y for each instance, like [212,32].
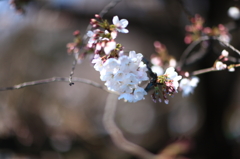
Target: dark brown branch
[117,135]
[53,79]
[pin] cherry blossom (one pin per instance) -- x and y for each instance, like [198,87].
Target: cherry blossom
[220,66]
[120,24]
[109,47]
[123,75]
[136,95]
[157,69]
[187,85]
[173,76]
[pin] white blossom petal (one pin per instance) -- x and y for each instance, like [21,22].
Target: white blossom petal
[188,85]
[157,69]
[124,23]
[220,66]
[123,30]
[115,20]
[111,45]
[120,25]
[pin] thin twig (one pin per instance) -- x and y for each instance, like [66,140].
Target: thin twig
[199,54]
[106,9]
[54,79]
[207,70]
[72,72]
[189,49]
[227,45]
[117,135]
[202,71]
[186,11]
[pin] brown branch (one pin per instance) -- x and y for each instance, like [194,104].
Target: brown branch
[54,79]
[207,70]
[202,71]
[117,135]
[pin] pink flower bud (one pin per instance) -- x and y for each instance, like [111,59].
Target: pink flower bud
[76,33]
[98,16]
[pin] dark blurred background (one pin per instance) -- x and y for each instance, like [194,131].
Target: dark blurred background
[56,121]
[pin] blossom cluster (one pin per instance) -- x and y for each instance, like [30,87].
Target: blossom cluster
[196,30]
[121,73]
[169,83]
[166,85]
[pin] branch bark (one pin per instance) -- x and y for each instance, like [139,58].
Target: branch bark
[54,79]
[117,135]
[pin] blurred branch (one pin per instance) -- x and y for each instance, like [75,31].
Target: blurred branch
[227,45]
[211,69]
[202,71]
[106,9]
[117,135]
[189,50]
[184,8]
[198,54]
[54,79]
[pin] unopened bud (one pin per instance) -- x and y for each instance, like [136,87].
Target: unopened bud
[92,21]
[76,33]
[98,16]
[94,25]
[232,69]
[234,13]
[224,53]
